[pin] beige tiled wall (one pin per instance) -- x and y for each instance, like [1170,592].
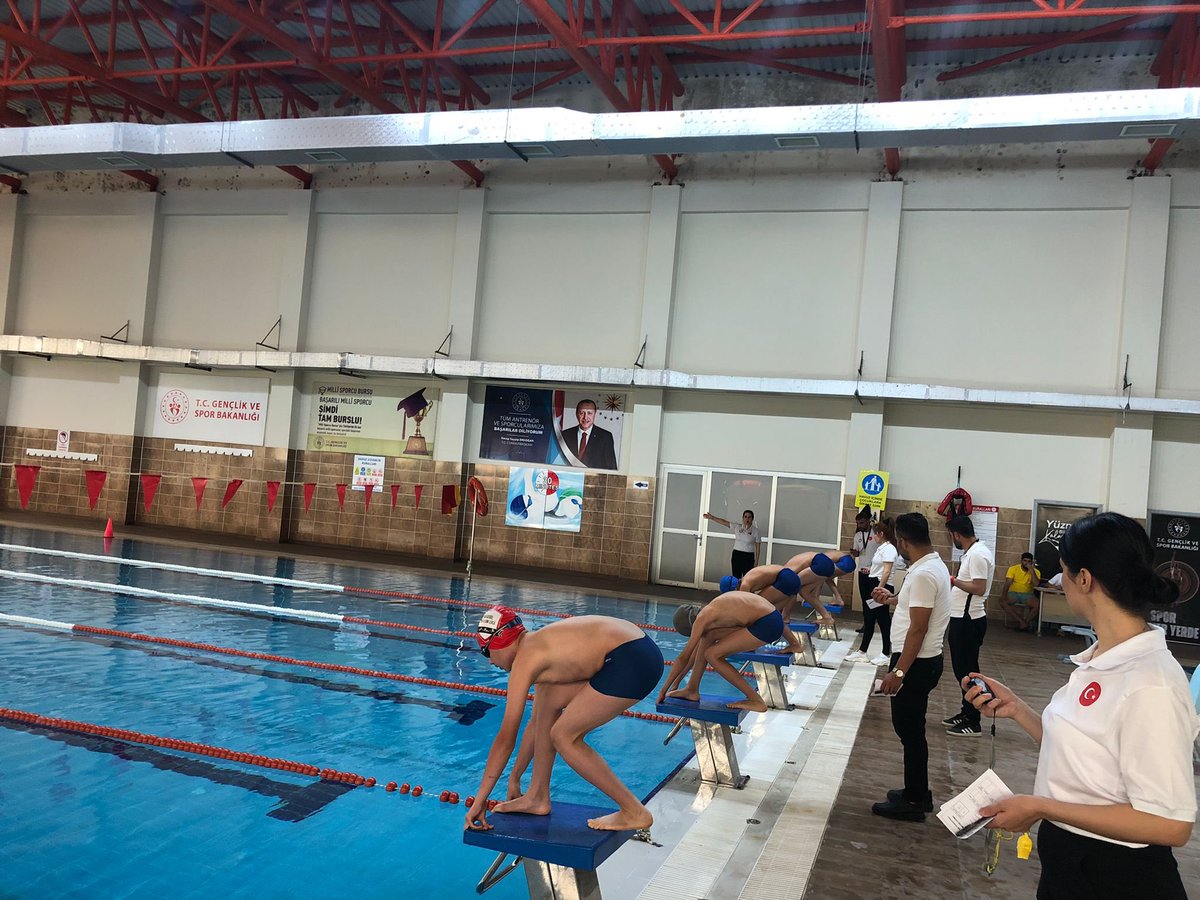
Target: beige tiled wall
[61,487]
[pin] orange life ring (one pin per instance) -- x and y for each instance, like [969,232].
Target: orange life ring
[477,495]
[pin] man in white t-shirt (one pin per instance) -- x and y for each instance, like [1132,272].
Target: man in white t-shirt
[918,629]
[863,551]
[968,615]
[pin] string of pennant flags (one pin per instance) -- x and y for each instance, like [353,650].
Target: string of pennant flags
[26,477]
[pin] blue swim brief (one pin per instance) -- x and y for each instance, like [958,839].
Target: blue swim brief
[631,670]
[769,628]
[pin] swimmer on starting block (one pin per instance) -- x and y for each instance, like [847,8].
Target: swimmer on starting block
[812,570]
[588,670]
[735,622]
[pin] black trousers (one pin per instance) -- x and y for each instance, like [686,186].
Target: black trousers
[966,637]
[908,719]
[881,616]
[741,562]
[1075,867]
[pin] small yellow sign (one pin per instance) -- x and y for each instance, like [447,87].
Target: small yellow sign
[872,489]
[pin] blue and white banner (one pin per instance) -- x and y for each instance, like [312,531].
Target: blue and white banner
[551,499]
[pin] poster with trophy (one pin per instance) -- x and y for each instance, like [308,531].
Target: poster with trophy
[380,420]
[1176,540]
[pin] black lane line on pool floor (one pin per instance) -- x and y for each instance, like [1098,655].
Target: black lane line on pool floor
[297,802]
[463,713]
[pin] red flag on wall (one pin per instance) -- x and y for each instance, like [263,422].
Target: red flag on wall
[272,493]
[198,485]
[26,479]
[230,490]
[449,498]
[417,488]
[95,484]
[310,488]
[370,489]
[341,489]
[149,489]
[395,493]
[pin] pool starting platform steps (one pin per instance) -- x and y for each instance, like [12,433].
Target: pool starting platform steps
[560,852]
[712,723]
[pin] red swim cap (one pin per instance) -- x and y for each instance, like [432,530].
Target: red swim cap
[498,628]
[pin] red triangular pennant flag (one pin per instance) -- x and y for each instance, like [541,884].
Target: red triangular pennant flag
[26,479]
[272,493]
[370,489]
[149,489]
[417,488]
[95,484]
[395,493]
[230,490]
[341,489]
[310,488]
[198,485]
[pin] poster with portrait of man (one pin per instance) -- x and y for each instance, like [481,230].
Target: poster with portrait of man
[575,429]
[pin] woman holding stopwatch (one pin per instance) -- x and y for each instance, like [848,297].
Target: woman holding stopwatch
[1114,788]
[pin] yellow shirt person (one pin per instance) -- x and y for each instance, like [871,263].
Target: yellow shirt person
[1019,597]
[1022,580]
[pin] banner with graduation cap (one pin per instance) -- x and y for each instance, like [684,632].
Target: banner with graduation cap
[368,417]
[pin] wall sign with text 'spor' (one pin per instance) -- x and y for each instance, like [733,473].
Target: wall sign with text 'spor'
[232,410]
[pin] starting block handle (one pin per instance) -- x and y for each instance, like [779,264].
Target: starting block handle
[674,731]
[494,875]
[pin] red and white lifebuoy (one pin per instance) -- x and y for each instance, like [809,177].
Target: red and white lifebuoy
[477,495]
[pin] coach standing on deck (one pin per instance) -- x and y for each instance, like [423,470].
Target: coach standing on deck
[968,615]
[918,629]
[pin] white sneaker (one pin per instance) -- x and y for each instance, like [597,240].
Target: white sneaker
[881,660]
[856,656]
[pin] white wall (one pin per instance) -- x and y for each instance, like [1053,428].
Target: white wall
[751,431]
[765,293]
[73,394]
[1179,361]
[1175,462]
[1025,299]
[1009,457]
[219,277]
[380,283]
[563,288]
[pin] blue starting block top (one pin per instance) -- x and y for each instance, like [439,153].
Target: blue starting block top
[561,838]
[806,627]
[763,655]
[710,709]
[835,609]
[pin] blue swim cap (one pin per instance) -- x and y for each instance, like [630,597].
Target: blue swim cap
[846,563]
[823,565]
[787,583]
[729,583]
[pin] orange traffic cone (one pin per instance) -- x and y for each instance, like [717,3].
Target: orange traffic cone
[108,529]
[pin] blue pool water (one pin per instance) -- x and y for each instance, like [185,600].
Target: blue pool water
[83,816]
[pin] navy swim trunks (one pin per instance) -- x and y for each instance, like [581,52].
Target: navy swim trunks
[769,628]
[631,670]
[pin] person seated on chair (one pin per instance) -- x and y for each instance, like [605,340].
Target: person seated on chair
[1019,596]
[588,670]
[736,622]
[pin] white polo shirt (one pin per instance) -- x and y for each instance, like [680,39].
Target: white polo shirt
[927,585]
[864,548]
[976,563]
[1121,731]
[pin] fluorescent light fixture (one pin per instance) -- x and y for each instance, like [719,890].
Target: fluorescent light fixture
[117,161]
[324,156]
[1149,131]
[798,142]
[531,150]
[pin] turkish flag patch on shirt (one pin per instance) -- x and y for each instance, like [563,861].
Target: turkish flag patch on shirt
[1090,694]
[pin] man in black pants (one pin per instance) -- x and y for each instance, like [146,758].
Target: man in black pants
[968,616]
[918,629]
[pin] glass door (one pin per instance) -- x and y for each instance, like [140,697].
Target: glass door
[677,558]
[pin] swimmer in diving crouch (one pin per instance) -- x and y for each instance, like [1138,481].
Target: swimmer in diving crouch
[735,622]
[588,670]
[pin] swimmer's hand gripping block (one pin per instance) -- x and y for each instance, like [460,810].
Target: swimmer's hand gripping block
[709,709]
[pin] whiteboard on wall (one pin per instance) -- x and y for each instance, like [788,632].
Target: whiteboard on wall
[208,408]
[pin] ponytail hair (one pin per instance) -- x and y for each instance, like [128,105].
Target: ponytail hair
[1118,553]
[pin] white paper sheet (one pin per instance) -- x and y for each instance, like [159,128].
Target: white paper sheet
[961,814]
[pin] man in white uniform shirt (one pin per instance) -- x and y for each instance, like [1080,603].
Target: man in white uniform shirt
[968,615]
[918,629]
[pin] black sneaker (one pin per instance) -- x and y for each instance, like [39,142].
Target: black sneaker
[954,720]
[965,729]
[900,809]
[897,796]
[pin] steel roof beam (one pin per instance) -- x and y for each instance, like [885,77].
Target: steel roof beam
[1177,65]
[888,62]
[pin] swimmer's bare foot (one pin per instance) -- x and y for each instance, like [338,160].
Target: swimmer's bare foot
[682,694]
[754,704]
[530,806]
[623,820]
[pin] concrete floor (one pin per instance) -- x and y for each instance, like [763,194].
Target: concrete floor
[864,856]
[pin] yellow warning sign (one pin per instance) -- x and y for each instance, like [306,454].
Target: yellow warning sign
[872,489]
